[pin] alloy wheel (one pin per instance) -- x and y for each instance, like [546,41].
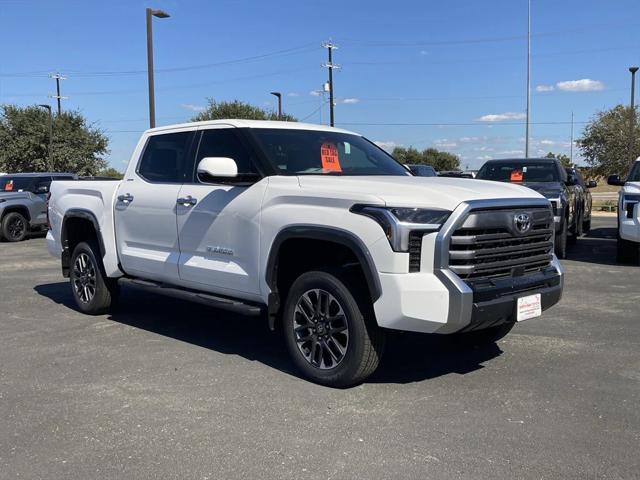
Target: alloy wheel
[84,278]
[320,329]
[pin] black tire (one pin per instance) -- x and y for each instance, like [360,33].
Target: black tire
[561,242]
[335,359]
[576,231]
[586,226]
[15,227]
[627,252]
[93,292]
[486,336]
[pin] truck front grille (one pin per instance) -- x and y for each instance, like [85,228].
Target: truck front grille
[489,245]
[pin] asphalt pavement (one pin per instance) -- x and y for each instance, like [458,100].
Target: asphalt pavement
[163,388]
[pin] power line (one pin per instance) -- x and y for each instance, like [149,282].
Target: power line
[106,73]
[454,124]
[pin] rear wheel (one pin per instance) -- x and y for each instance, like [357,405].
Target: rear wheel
[586,226]
[327,334]
[93,292]
[14,227]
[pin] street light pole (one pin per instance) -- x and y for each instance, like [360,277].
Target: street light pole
[632,123]
[50,149]
[278,95]
[152,103]
[526,145]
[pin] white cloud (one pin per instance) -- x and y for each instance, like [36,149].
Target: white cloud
[484,157]
[350,100]
[315,93]
[193,108]
[445,143]
[470,139]
[501,117]
[583,85]
[293,94]
[511,152]
[424,52]
[387,145]
[545,88]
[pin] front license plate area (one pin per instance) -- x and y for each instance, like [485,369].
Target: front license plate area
[529,307]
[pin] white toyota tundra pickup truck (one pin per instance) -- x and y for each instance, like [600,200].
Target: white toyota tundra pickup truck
[628,215]
[315,228]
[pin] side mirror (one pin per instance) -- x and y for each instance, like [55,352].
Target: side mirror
[592,184]
[218,167]
[615,180]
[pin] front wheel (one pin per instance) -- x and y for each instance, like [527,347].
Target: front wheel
[627,251]
[328,337]
[14,227]
[561,241]
[93,292]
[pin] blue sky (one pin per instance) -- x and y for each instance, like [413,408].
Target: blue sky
[449,74]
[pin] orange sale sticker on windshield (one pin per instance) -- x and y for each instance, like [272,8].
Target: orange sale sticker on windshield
[329,157]
[516,176]
[8,186]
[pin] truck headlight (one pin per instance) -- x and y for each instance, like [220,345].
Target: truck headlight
[398,222]
[629,201]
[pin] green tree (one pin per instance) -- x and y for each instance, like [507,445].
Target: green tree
[110,172]
[237,109]
[565,161]
[438,159]
[605,141]
[24,142]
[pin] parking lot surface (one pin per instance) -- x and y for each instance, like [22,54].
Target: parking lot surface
[167,389]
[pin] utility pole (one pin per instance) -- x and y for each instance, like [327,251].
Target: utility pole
[50,149]
[330,47]
[571,146]
[526,145]
[152,101]
[632,123]
[278,95]
[57,77]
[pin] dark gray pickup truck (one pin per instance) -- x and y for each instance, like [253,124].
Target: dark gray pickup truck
[23,203]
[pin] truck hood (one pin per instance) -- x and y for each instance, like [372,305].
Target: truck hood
[631,187]
[546,189]
[409,191]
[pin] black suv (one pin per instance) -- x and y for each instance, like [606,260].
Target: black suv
[547,177]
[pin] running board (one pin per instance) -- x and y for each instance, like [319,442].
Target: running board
[230,304]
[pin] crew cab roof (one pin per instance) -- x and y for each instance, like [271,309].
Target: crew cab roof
[506,160]
[239,123]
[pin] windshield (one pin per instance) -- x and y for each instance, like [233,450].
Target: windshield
[14,184]
[309,152]
[519,171]
[634,176]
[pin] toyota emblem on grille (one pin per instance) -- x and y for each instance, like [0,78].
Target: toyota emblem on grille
[522,222]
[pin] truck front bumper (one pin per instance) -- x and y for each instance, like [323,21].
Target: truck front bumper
[441,302]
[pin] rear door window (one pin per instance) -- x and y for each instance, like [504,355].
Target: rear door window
[166,158]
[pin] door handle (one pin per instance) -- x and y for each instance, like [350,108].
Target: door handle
[187,201]
[126,198]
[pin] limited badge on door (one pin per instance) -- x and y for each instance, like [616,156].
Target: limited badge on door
[529,307]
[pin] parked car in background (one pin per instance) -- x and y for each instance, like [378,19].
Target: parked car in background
[628,215]
[584,199]
[23,203]
[317,229]
[423,170]
[549,178]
